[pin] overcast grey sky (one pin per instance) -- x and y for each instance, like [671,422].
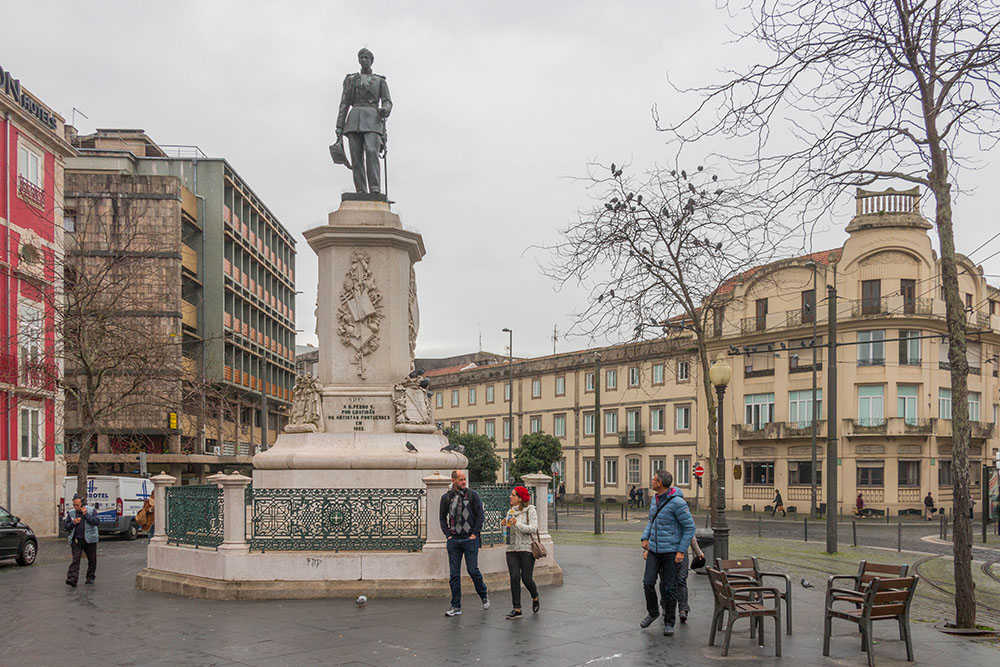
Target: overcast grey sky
[497,106]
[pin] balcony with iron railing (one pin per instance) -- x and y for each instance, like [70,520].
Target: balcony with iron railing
[979,430]
[30,192]
[865,426]
[632,438]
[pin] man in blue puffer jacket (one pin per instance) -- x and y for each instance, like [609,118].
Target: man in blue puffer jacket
[665,544]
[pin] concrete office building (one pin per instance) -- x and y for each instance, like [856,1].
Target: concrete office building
[894,396]
[228,291]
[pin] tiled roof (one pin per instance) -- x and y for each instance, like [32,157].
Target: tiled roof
[822,257]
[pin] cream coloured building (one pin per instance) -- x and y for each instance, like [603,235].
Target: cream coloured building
[894,402]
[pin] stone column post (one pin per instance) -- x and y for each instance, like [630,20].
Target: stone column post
[160,484]
[234,510]
[437,485]
[540,483]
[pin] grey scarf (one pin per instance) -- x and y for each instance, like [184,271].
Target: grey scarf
[458,512]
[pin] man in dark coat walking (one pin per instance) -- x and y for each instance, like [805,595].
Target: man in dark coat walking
[462,516]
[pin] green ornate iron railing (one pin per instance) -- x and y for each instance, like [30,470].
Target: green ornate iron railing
[194,515]
[496,502]
[336,519]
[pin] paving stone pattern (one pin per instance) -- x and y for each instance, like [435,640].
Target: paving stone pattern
[592,619]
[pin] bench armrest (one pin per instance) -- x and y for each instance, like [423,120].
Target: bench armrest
[852,577]
[764,589]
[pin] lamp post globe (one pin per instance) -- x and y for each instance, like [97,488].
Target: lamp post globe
[720,374]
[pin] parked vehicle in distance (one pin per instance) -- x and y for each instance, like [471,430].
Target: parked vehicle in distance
[116,500]
[17,540]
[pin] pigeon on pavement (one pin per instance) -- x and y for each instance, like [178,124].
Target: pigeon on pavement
[806,584]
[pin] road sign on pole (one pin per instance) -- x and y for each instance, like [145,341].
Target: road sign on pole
[699,470]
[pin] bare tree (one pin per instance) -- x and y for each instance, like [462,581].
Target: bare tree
[659,252]
[861,90]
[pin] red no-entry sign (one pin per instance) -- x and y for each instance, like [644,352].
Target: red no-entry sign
[699,470]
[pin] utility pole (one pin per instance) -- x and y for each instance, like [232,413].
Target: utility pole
[831,422]
[510,406]
[815,407]
[597,444]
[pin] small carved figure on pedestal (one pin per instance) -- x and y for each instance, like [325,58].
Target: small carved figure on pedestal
[307,406]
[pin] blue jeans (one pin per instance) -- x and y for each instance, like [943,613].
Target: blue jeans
[682,585]
[457,547]
[664,567]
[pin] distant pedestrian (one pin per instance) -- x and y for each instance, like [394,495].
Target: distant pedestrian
[522,522]
[146,516]
[82,525]
[461,515]
[562,492]
[631,497]
[779,504]
[665,543]
[640,495]
[859,505]
[928,505]
[683,608]
[972,508]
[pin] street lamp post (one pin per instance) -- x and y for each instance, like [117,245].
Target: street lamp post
[720,374]
[815,411]
[510,404]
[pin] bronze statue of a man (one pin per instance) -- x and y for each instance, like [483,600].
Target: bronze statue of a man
[364,106]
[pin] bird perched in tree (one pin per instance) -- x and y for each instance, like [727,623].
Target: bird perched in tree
[410,448]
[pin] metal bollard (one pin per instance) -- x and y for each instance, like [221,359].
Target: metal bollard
[604,517]
[759,522]
[854,531]
[805,527]
[887,516]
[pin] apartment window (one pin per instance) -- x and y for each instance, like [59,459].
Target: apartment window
[506,430]
[506,392]
[871,348]
[909,348]
[506,469]
[588,423]
[561,385]
[611,421]
[718,317]
[472,395]
[760,314]
[535,424]
[968,301]
[438,399]
[974,406]
[656,419]
[682,418]
[759,409]
[30,166]
[800,407]
[456,427]
[944,473]
[610,472]
[682,471]
[798,473]
[589,382]
[489,393]
[657,373]
[454,398]
[536,388]
[908,290]
[490,429]
[31,341]
[31,421]
[656,463]
[633,470]
[906,402]
[759,473]
[588,471]
[871,297]
[871,473]
[559,425]
[808,306]
[471,427]
[633,422]
[871,402]
[69,220]
[633,376]
[611,380]
[909,473]
[683,371]
[944,403]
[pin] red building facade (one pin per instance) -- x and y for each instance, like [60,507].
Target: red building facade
[32,151]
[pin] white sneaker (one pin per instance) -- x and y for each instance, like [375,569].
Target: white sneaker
[454,611]
[486,603]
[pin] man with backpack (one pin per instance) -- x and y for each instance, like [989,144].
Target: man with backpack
[665,543]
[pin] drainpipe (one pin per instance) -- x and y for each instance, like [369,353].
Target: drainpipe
[11,416]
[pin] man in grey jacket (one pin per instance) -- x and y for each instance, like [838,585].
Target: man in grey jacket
[82,525]
[665,543]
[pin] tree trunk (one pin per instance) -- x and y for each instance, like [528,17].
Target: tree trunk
[83,465]
[714,473]
[965,597]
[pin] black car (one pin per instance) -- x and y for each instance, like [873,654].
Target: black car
[17,540]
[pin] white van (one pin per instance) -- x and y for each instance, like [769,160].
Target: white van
[115,499]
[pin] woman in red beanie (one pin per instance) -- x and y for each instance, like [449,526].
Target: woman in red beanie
[522,524]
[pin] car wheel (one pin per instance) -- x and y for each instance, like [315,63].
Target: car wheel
[29,550]
[132,532]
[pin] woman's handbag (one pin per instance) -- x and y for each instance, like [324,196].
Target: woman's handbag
[537,550]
